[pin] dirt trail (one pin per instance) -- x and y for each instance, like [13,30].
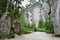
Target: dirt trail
[36,36]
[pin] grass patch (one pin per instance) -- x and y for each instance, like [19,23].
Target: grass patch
[40,29]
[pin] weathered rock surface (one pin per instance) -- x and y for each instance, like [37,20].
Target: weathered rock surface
[36,11]
[5,24]
[56,10]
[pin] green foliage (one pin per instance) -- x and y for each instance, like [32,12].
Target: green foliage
[2,7]
[13,9]
[12,34]
[49,26]
[24,26]
[46,26]
[27,28]
[40,29]
[40,25]
[33,26]
[30,26]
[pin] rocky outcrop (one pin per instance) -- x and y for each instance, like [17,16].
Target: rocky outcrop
[5,24]
[36,11]
[56,10]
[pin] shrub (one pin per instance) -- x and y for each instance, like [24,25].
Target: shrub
[49,26]
[46,24]
[32,26]
[12,34]
[40,25]
[26,29]
[40,29]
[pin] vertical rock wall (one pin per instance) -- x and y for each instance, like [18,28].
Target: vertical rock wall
[36,12]
[5,24]
[56,11]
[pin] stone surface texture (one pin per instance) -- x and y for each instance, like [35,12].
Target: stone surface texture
[36,11]
[5,25]
[56,11]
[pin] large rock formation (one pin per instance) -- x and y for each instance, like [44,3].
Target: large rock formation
[36,11]
[5,25]
[56,10]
